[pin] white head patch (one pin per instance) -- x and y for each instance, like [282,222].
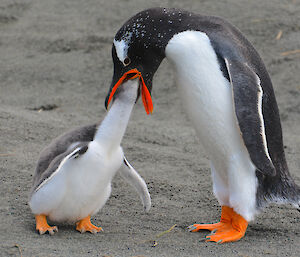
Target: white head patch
[122,47]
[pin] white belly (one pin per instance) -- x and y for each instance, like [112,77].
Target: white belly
[207,98]
[80,188]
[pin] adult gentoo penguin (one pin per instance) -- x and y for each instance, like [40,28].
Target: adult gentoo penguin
[228,95]
[74,173]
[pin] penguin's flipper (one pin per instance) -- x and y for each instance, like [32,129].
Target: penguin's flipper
[80,150]
[56,165]
[248,95]
[61,145]
[135,180]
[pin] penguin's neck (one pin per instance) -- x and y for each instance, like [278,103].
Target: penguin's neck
[112,129]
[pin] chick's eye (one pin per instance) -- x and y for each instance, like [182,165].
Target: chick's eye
[127,61]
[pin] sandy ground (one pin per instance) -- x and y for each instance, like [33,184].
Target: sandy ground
[57,53]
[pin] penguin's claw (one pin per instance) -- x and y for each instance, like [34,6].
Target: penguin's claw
[191,228]
[42,226]
[50,230]
[85,225]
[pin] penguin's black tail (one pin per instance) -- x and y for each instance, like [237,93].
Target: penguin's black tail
[280,189]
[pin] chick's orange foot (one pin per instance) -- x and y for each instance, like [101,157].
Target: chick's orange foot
[42,226]
[85,225]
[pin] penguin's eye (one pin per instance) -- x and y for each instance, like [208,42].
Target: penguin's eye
[126,61]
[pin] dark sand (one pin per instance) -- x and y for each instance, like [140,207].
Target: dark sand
[57,52]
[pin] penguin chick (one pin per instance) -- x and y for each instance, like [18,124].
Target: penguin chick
[74,173]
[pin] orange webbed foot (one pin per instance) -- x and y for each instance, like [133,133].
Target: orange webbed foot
[224,224]
[85,225]
[42,226]
[230,235]
[232,227]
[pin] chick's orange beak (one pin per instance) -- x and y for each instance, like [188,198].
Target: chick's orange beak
[146,97]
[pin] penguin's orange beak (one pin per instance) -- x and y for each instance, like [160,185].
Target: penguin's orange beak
[146,97]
